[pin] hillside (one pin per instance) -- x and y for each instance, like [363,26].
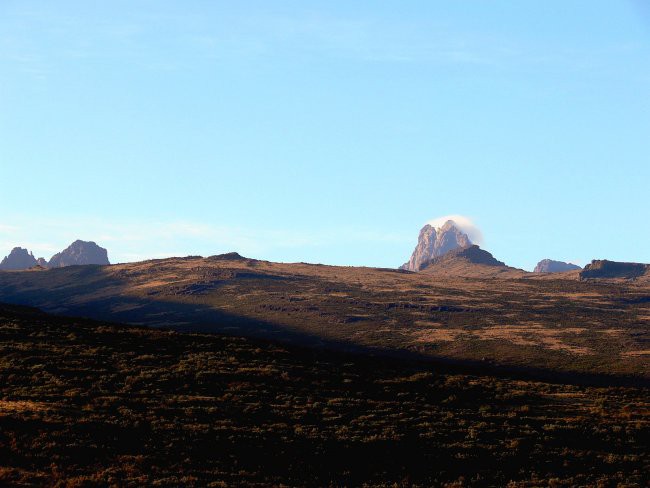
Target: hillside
[545,322]
[86,403]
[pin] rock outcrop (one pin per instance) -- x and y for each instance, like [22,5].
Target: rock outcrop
[551,266]
[602,268]
[18,259]
[434,242]
[229,256]
[471,255]
[80,253]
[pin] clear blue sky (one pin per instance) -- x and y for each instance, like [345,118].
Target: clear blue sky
[325,131]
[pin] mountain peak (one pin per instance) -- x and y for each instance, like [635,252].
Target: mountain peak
[448,226]
[79,253]
[434,242]
[19,258]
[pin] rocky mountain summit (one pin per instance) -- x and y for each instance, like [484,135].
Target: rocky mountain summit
[18,259]
[551,266]
[434,242]
[80,253]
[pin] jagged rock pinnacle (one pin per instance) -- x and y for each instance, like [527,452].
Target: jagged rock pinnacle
[435,242]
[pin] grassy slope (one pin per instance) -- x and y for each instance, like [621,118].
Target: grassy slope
[553,322]
[86,403]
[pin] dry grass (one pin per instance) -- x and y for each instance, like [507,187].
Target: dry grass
[22,406]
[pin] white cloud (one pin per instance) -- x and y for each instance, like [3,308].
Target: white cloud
[464,223]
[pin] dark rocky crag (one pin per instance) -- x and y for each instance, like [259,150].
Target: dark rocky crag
[80,253]
[551,266]
[435,242]
[18,259]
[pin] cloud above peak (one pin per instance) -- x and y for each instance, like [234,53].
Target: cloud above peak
[464,223]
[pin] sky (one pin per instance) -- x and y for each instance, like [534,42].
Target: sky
[326,132]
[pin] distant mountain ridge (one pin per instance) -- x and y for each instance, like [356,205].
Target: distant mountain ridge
[552,266]
[434,242]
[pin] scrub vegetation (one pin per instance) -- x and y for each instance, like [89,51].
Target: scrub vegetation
[86,403]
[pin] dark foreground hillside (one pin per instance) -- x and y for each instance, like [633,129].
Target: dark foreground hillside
[85,403]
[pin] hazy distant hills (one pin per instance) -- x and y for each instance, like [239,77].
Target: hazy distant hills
[77,253]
